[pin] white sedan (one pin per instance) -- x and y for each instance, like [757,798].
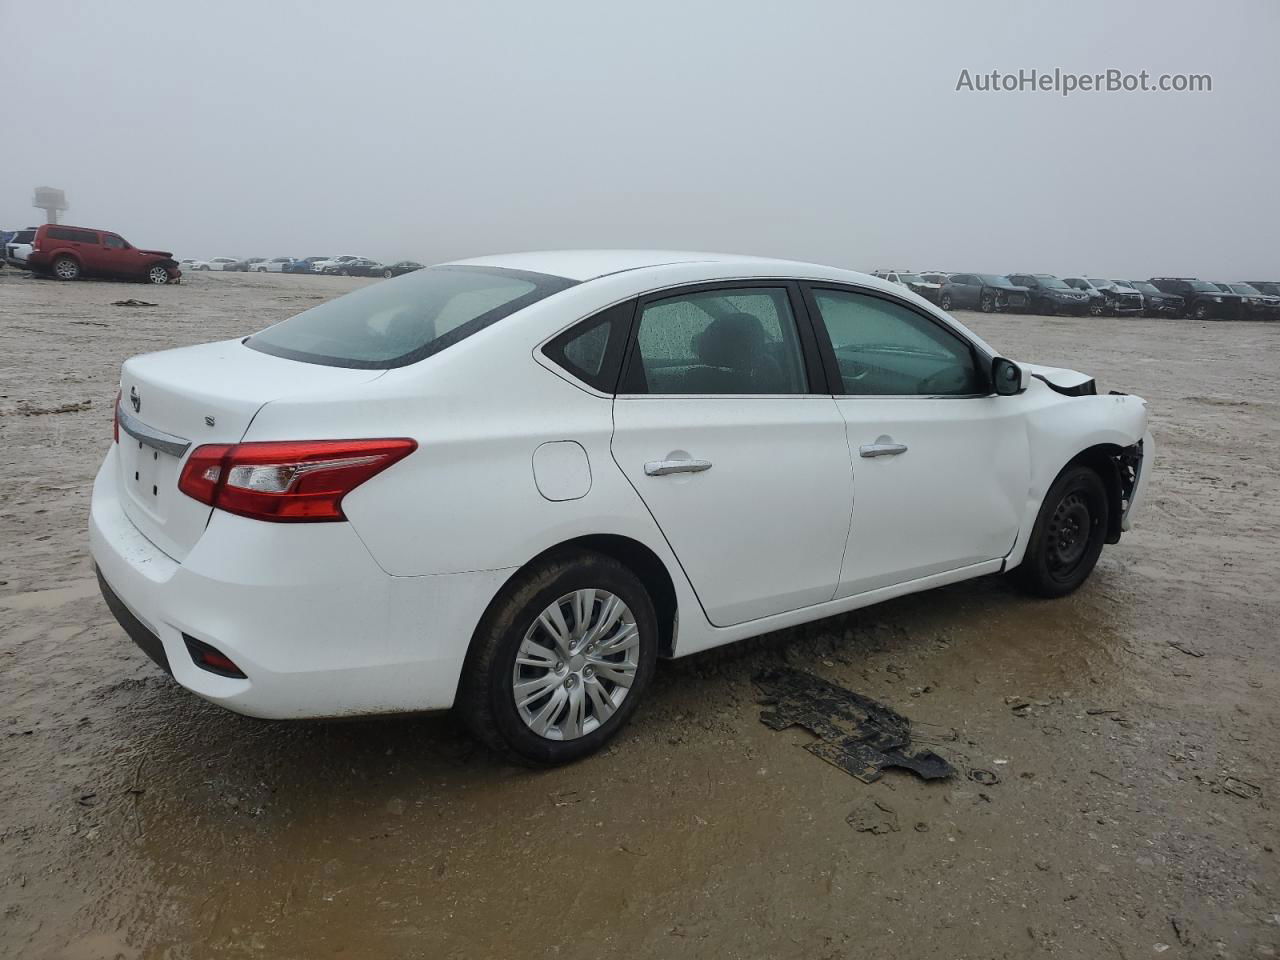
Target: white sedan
[511,484]
[215,263]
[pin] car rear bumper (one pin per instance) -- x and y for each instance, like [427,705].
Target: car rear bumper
[318,629]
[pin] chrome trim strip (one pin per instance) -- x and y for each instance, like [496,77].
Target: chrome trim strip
[164,442]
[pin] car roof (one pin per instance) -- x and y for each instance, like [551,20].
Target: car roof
[591,264]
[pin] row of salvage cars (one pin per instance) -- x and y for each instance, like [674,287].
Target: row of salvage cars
[345,266]
[1051,295]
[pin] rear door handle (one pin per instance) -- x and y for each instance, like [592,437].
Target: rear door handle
[883,447]
[662,468]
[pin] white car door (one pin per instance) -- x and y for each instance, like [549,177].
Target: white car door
[722,427]
[941,465]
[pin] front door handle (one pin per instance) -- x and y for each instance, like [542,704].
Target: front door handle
[662,468]
[883,447]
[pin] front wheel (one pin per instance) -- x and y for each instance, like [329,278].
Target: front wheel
[987,304]
[157,274]
[560,659]
[1068,536]
[66,268]
[1200,312]
[386,274]
[945,301]
[1097,308]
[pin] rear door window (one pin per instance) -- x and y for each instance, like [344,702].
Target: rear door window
[403,321]
[729,341]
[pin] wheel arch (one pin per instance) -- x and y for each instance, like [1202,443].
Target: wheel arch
[636,557]
[1104,460]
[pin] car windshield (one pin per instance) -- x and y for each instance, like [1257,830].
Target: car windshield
[1244,288]
[1203,286]
[1144,287]
[402,321]
[1052,283]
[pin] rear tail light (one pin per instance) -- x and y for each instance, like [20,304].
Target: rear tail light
[287,481]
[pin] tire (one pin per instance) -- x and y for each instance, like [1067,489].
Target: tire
[157,274]
[1097,308]
[1067,539]
[344,273]
[987,304]
[945,301]
[486,696]
[1199,312]
[386,274]
[66,268]
[204,268]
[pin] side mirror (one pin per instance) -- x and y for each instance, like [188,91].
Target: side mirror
[1008,378]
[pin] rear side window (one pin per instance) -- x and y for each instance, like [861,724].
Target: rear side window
[717,342]
[73,235]
[402,321]
[592,350]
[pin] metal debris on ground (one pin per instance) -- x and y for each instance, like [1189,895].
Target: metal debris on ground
[1188,649]
[857,734]
[131,302]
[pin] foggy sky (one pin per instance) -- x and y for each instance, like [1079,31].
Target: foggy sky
[824,131]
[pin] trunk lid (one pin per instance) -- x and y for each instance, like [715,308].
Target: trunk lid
[176,400]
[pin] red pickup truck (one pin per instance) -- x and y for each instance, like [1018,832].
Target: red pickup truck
[73,252]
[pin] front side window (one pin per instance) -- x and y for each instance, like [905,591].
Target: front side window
[732,341]
[885,349]
[395,324]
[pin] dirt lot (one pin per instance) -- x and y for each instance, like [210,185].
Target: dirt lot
[1133,727]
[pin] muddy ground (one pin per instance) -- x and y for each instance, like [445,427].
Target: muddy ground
[1133,727]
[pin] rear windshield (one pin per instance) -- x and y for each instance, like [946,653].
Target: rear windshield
[393,323]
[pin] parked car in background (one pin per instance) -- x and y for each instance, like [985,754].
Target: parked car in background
[1107,297]
[914,282]
[18,247]
[305,265]
[69,253]
[987,292]
[1155,302]
[1204,301]
[1257,305]
[216,263]
[400,267]
[355,267]
[936,276]
[275,498]
[1270,287]
[1097,302]
[274,265]
[322,266]
[245,266]
[1050,295]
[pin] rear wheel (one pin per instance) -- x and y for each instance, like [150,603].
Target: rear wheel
[945,301]
[66,268]
[157,274]
[1068,536]
[560,660]
[386,274]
